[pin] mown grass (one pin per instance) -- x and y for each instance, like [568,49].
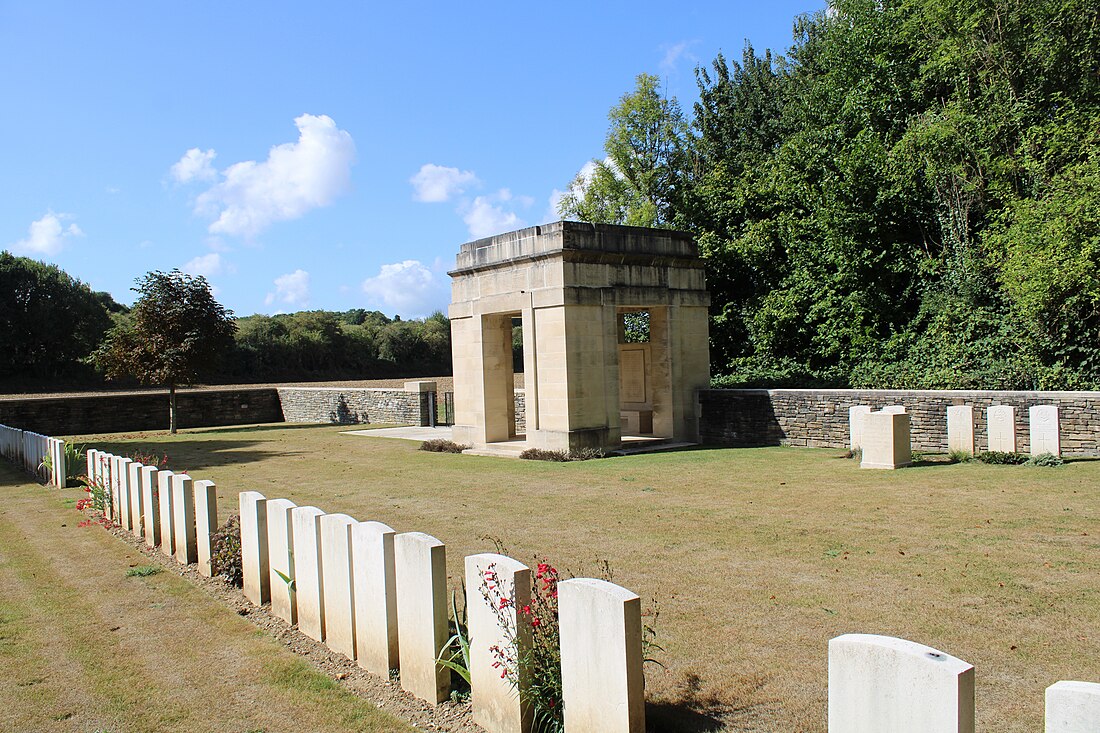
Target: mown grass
[757,556]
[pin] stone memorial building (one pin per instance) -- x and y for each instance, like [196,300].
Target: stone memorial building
[614,330]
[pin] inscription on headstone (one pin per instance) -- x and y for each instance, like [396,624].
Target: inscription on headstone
[1001,427]
[960,428]
[1043,424]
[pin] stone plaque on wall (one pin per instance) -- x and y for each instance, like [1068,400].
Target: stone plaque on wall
[632,382]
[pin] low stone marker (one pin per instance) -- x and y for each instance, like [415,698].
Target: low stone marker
[136,498]
[855,425]
[960,429]
[183,519]
[886,440]
[167,513]
[373,566]
[421,565]
[1044,430]
[1000,423]
[255,570]
[206,524]
[490,580]
[600,626]
[308,568]
[280,555]
[337,583]
[879,684]
[1073,707]
[894,409]
[150,505]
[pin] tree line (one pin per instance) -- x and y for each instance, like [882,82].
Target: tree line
[53,324]
[910,198]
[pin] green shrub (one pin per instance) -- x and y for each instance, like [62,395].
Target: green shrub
[442,446]
[1046,460]
[1001,458]
[560,456]
[225,552]
[143,571]
[960,456]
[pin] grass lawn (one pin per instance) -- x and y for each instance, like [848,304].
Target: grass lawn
[757,557]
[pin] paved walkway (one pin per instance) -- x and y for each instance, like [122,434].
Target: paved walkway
[407,433]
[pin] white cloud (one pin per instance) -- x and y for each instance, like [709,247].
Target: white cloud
[407,288]
[47,235]
[195,165]
[208,265]
[296,178]
[434,183]
[578,186]
[673,52]
[485,216]
[290,289]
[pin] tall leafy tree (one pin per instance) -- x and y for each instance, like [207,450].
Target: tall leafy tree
[176,332]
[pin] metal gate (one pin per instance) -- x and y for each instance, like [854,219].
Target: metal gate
[442,408]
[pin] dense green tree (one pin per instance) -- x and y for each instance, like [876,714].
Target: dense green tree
[176,332]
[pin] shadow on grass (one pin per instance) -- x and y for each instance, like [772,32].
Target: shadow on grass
[195,456]
[265,428]
[691,709]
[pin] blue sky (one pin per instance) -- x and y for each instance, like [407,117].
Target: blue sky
[322,155]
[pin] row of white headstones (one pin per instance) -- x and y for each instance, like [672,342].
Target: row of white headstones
[29,450]
[884,436]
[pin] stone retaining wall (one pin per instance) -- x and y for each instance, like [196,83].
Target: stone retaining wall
[819,417]
[348,406]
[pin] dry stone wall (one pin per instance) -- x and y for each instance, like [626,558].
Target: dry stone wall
[343,406]
[818,418]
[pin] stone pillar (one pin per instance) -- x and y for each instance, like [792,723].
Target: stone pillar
[1044,430]
[375,592]
[879,684]
[855,425]
[1073,707]
[255,570]
[960,429]
[206,524]
[136,499]
[886,440]
[421,571]
[600,625]
[337,583]
[491,578]
[167,513]
[183,519]
[1000,423]
[150,504]
[308,568]
[280,547]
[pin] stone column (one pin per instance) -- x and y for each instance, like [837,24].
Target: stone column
[255,569]
[879,684]
[280,547]
[1044,430]
[183,519]
[1073,707]
[960,429]
[374,571]
[136,499]
[167,513]
[150,505]
[206,524]
[855,425]
[421,570]
[603,688]
[491,579]
[337,583]
[308,568]
[1000,424]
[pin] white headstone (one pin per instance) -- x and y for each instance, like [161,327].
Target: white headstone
[255,569]
[308,567]
[1044,429]
[91,457]
[960,429]
[150,504]
[206,524]
[338,589]
[1073,707]
[600,627]
[894,409]
[280,549]
[497,587]
[421,566]
[855,425]
[886,440]
[122,489]
[879,684]
[167,513]
[1001,428]
[183,519]
[136,498]
[375,597]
